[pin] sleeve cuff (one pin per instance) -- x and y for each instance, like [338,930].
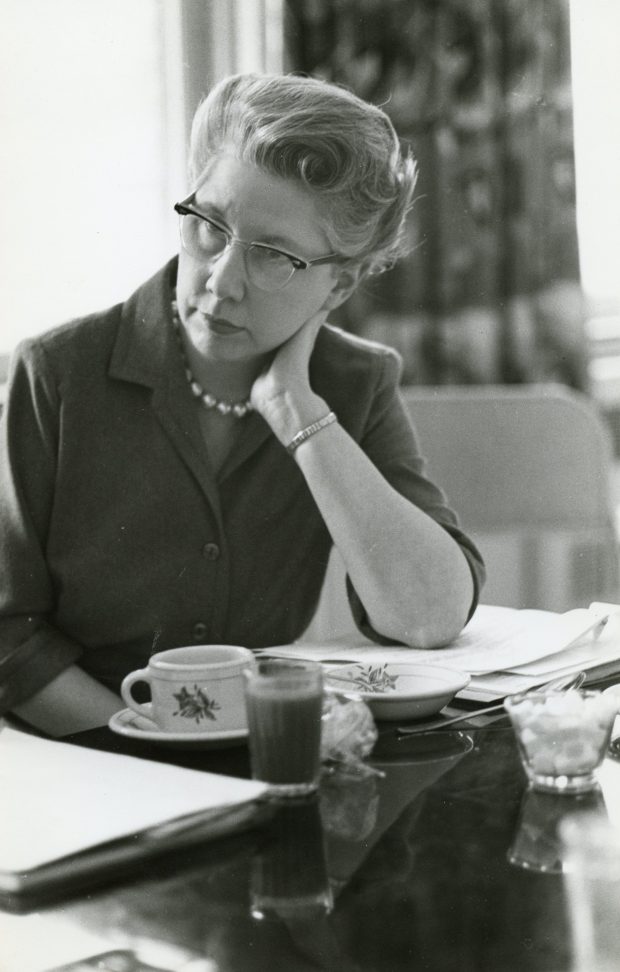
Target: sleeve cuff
[33,664]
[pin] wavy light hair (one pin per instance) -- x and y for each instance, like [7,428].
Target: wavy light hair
[341,148]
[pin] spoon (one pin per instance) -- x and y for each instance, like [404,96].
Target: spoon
[560,684]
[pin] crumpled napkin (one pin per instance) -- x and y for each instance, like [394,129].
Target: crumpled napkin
[348,733]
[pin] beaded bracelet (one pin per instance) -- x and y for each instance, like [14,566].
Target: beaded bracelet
[310,430]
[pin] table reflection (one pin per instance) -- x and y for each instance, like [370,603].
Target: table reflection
[537,844]
[368,826]
[414,862]
[289,872]
[357,811]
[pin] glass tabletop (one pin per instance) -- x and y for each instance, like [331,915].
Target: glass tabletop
[408,867]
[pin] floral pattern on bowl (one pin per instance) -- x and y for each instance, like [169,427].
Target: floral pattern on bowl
[401,690]
[369,678]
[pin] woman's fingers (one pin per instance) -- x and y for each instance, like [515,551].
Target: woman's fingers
[295,353]
[286,379]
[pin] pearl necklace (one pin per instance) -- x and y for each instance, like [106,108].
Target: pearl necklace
[236,409]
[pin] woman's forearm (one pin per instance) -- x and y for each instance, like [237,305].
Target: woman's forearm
[72,702]
[410,574]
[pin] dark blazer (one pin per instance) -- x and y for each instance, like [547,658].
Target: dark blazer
[116,538]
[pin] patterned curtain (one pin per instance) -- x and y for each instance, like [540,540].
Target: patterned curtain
[481,91]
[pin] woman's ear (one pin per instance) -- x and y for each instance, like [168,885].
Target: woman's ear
[344,285]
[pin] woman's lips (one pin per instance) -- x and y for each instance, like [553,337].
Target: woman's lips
[219,325]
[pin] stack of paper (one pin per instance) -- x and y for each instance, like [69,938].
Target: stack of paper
[505,650]
[67,812]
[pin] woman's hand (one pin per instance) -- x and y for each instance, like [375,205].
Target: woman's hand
[282,392]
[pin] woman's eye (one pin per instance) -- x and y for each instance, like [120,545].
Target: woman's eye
[214,228]
[267,256]
[210,233]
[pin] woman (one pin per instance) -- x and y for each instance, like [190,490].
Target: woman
[175,469]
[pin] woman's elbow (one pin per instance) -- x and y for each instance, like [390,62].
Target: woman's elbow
[428,625]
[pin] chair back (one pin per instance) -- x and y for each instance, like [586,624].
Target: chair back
[529,470]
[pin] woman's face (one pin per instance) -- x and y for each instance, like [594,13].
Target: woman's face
[226,317]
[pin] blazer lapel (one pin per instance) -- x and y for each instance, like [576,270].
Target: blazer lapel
[145,353]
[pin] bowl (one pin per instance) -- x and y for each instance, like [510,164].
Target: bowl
[562,736]
[398,690]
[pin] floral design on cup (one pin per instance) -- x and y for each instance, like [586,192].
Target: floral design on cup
[194,689]
[196,705]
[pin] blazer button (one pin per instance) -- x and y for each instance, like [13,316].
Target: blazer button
[199,631]
[211,551]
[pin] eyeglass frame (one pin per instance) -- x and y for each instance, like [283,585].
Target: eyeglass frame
[184,208]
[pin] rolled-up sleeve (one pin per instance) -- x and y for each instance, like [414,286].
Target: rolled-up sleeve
[32,651]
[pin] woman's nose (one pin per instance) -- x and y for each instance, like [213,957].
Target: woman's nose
[226,274]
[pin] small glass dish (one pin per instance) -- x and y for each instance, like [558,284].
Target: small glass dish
[562,736]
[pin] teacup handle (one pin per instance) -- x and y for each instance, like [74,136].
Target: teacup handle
[140,675]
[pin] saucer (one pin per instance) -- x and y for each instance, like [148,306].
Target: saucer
[132,725]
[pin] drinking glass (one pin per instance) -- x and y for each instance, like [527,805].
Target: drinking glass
[284,704]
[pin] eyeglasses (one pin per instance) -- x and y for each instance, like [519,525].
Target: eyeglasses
[268,268]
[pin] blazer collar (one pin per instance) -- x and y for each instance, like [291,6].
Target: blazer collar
[144,350]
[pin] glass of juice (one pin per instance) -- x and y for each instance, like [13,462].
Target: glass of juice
[284,705]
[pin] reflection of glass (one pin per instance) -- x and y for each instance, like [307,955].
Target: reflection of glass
[592,849]
[289,873]
[349,805]
[537,844]
[562,736]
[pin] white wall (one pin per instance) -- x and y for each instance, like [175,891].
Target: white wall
[93,113]
[88,176]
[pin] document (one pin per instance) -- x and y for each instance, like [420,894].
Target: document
[66,810]
[502,649]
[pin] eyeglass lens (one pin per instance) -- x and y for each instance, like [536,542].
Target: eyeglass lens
[267,269]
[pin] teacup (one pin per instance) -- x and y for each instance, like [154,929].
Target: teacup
[198,688]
